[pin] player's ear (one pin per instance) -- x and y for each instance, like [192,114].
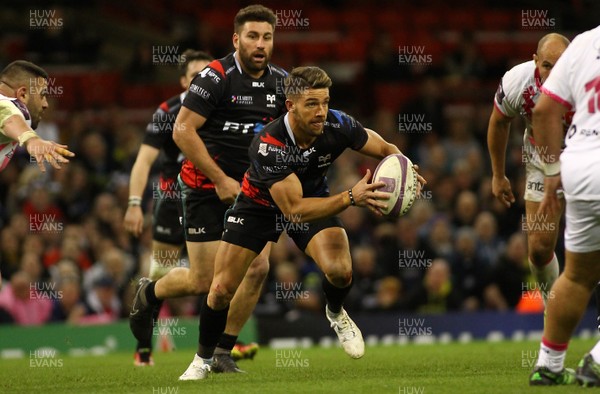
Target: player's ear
[22,93]
[182,82]
[535,58]
[289,105]
[236,41]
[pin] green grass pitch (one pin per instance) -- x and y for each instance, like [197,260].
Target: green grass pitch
[477,367]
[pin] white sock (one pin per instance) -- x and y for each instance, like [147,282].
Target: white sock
[554,360]
[545,276]
[596,352]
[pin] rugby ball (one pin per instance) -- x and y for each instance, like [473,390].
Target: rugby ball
[400,179]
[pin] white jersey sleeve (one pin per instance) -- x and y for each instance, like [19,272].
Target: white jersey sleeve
[509,96]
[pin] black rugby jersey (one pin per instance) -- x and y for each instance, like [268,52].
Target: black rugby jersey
[159,135]
[236,107]
[274,155]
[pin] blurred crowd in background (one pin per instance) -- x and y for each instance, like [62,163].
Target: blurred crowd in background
[65,255]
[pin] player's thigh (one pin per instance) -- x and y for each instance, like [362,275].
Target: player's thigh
[259,268]
[203,215]
[542,229]
[583,268]
[331,251]
[165,257]
[166,224]
[202,258]
[582,230]
[231,264]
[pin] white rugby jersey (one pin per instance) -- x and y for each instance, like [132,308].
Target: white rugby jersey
[10,106]
[575,83]
[517,94]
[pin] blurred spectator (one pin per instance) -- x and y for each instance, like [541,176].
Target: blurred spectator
[509,276]
[469,272]
[70,249]
[365,277]
[439,239]
[32,265]
[69,306]
[102,302]
[387,296]
[460,142]
[287,292]
[113,264]
[436,293]
[26,303]
[490,246]
[465,209]
[65,270]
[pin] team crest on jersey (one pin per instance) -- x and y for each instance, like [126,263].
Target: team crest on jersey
[262,149]
[271,100]
[242,100]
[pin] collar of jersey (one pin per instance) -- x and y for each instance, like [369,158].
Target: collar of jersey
[286,121]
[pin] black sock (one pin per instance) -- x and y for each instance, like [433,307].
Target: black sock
[151,296]
[226,343]
[212,325]
[334,295]
[146,344]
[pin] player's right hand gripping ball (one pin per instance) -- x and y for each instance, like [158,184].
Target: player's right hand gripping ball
[400,179]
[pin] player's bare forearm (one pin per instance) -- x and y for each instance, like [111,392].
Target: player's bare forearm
[497,138]
[14,126]
[547,121]
[192,146]
[287,194]
[377,147]
[141,169]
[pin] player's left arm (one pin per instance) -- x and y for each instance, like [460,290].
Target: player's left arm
[547,119]
[287,194]
[377,147]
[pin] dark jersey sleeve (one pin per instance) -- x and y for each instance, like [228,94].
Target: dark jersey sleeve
[351,129]
[206,89]
[160,128]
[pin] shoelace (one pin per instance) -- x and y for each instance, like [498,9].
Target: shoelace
[343,327]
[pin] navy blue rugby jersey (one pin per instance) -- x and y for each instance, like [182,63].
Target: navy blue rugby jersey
[159,135]
[274,155]
[236,107]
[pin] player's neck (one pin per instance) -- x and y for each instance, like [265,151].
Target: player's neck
[6,91]
[303,140]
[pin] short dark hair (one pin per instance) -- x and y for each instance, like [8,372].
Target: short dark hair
[190,55]
[254,13]
[20,71]
[301,79]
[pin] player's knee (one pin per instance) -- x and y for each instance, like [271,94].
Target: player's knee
[200,285]
[541,252]
[258,270]
[221,294]
[339,274]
